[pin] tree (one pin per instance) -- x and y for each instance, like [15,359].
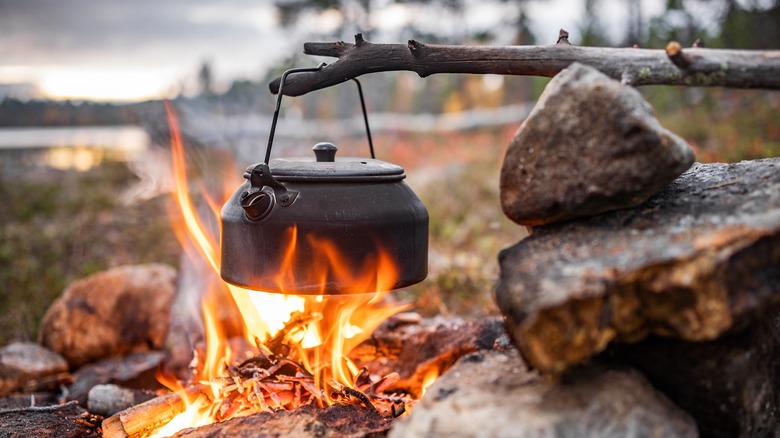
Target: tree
[205,80]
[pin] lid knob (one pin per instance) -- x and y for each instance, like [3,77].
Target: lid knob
[325,152]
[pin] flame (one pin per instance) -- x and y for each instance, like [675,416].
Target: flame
[321,330]
[430,376]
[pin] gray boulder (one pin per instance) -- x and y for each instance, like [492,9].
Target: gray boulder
[590,145]
[493,394]
[693,262]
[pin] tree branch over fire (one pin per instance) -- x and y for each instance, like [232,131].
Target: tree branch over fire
[693,66]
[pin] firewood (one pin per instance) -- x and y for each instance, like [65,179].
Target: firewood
[694,66]
[144,419]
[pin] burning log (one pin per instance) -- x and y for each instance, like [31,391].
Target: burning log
[144,419]
[337,421]
[276,389]
[633,66]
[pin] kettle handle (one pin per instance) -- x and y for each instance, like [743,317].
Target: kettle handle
[279,104]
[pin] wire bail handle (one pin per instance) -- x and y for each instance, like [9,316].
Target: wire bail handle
[279,104]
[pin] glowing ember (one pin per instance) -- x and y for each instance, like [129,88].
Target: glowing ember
[293,349]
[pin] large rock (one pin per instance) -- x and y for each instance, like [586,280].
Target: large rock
[730,386]
[692,262]
[590,145]
[25,366]
[111,313]
[493,394]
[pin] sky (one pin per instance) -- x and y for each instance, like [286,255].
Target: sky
[133,50]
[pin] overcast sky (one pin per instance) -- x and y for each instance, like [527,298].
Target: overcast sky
[134,49]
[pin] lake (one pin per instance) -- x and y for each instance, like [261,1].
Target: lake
[69,148]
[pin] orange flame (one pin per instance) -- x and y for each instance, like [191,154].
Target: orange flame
[330,327]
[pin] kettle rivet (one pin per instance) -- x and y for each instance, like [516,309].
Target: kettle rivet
[244,195]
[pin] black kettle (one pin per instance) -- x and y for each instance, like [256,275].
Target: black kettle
[323,225]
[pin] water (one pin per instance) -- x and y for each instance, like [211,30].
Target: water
[77,148]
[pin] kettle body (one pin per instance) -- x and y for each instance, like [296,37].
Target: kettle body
[324,227]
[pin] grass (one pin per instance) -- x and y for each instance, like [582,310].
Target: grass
[721,125]
[62,226]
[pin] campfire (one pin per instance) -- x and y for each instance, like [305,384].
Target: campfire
[291,350]
[626,308]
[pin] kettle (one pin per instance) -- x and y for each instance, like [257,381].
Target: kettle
[280,228]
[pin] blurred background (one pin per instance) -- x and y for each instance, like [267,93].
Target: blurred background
[84,143]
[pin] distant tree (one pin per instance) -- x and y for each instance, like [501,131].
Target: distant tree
[634,31]
[592,33]
[205,80]
[753,26]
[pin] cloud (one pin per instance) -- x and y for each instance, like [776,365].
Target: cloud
[55,31]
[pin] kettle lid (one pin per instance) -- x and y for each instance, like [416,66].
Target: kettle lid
[326,168]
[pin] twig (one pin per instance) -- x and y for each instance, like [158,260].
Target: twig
[360,396]
[634,66]
[50,408]
[399,412]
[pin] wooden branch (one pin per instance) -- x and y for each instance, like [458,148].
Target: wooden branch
[694,66]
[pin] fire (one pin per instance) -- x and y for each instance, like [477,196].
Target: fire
[292,349]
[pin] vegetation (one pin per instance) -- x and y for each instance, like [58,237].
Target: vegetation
[61,226]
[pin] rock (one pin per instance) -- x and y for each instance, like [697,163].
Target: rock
[26,366]
[590,145]
[107,400]
[692,262]
[729,385]
[493,394]
[136,370]
[111,313]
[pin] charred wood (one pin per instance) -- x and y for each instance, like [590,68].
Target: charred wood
[414,350]
[347,421]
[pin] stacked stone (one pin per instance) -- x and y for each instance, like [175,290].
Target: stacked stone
[634,252]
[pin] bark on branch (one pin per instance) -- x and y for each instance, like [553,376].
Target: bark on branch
[693,66]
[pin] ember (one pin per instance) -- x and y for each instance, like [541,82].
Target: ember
[293,349]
